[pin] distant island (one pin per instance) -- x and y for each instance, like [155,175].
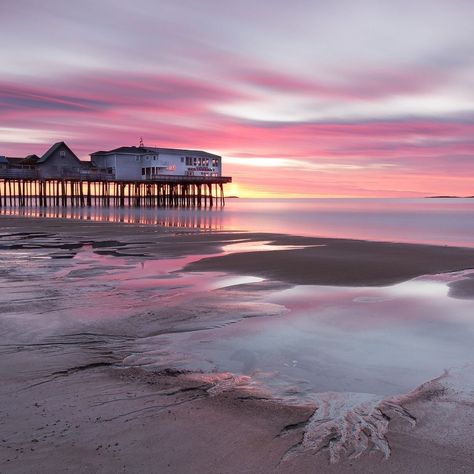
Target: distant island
[232,197]
[449,197]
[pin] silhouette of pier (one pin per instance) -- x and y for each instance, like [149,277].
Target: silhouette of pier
[22,188]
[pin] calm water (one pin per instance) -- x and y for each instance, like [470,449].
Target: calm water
[382,341]
[435,221]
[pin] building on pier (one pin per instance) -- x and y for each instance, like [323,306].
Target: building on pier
[126,163]
[126,176]
[149,163]
[59,161]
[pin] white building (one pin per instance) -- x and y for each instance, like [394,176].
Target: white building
[145,163]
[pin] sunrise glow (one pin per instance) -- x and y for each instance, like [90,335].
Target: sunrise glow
[317,99]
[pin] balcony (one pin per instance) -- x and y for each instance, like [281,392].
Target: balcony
[167,178]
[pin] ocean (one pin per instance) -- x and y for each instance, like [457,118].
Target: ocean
[429,221]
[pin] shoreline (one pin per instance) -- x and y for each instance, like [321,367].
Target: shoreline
[318,261]
[72,395]
[395,220]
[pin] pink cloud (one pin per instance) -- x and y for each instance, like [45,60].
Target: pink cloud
[407,155]
[97,93]
[363,83]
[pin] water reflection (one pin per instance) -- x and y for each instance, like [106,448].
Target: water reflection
[383,341]
[208,219]
[434,221]
[259,246]
[427,221]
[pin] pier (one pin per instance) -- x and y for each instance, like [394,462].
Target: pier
[22,188]
[127,176]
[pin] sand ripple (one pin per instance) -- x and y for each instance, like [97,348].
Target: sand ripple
[348,424]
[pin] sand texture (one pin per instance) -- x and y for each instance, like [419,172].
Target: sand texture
[342,262]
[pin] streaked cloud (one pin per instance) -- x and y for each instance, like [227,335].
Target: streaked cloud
[318,98]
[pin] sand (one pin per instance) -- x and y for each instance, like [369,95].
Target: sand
[69,402]
[342,262]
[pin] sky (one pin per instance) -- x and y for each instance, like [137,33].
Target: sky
[307,98]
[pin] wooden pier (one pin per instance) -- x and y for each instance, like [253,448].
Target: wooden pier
[86,191]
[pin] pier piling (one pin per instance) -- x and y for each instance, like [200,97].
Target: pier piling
[166,191]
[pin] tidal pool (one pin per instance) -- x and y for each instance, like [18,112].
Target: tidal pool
[382,341]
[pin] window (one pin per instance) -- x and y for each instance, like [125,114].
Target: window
[143,171]
[137,158]
[182,159]
[62,153]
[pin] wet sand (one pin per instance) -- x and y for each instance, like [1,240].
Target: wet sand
[342,262]
[320,261]
[72,400]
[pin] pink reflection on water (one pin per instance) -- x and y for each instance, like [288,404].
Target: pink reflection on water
[114,287]
[373,340]
[203,219]
[431,221]
[434,221]
[260,246]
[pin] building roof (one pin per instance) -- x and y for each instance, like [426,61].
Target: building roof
[18,162]
[30,160]
[88,164]
[53,149]
[14,160]
[135,150]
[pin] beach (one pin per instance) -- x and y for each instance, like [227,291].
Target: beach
[115,352]
[236,237]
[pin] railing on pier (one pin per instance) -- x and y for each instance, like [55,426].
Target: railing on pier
[188,179]
[23,173]
[13,173]
[86,175]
